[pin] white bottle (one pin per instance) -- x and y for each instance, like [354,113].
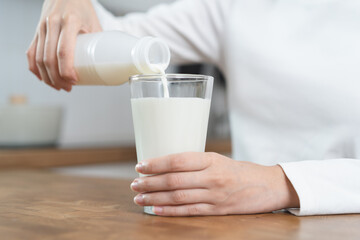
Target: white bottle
[109,58]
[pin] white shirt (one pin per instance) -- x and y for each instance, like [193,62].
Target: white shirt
[293,83]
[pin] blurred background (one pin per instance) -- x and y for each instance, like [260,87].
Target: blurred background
[88,120]
[92,116]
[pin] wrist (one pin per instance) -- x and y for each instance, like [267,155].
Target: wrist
[283,189]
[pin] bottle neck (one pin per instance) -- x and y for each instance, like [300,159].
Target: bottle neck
[151,55]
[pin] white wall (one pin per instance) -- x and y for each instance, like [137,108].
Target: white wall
[94,115]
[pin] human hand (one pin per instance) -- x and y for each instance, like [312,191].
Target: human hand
[189,184]
[51,53]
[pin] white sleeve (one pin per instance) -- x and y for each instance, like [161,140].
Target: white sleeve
[192,28]
[325,186]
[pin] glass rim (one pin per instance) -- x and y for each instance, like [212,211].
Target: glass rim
[171,77]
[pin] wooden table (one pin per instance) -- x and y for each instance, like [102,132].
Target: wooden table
[44,205]
[56,157]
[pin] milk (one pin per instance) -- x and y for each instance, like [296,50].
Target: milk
[115,74]
[112,74]
[169,125]
[159,68]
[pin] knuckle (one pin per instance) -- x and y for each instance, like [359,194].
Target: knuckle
[48,61]
[219,180]
[174,180]
[179,196]
[29,53]
[53,19]
[212,156]
[193,210]
[62,53]
[39,61]
[69,18]
[42,26]
[177,163]
[65,73]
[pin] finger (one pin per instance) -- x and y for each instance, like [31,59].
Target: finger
[190,161]
[66,49]
[169,181]
[40,57]
[50,55]
[31,57]
[196,209]
[178,197]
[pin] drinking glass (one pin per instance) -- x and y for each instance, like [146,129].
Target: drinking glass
[169,124]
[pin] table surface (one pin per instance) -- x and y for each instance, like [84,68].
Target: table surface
[65,156]
[39,204]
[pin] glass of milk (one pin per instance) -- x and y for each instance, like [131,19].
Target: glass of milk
[170,114]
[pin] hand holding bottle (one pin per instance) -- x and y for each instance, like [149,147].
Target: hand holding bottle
[51,53]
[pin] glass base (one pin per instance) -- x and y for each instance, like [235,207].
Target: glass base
[148,210]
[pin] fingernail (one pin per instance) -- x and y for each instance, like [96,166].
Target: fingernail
[157,210]
[73,82]
[135,184]
[140,167]
[139,199]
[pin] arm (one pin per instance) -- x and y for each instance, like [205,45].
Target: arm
[192,28]
[211,184]
[325,186]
